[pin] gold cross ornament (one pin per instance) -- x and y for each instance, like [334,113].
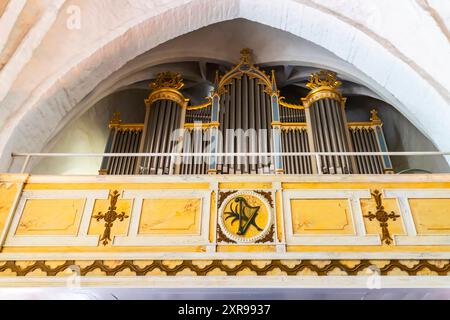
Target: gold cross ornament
[110,217]
[382,217]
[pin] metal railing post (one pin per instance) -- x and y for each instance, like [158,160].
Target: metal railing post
[319,164]
[25,164]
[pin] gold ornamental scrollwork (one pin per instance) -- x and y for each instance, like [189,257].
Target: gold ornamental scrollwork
[382,217]
[167,80]
[110,217]
[323,85]
[323,78]
[246,67]
[291,268]
[374,118]
[167,86]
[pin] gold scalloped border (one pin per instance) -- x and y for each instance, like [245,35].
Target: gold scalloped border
[230,268]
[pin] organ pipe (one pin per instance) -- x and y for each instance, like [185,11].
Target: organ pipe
[328,125]
[245,115]
[163,117]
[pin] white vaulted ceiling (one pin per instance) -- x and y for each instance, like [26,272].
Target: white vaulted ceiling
[50,72]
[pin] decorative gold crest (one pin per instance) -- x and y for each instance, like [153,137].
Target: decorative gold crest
[167,80]
[247,67]
[115,121]
[245,217]
[323,79]
[374,116]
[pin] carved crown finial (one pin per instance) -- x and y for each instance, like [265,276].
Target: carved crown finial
[167,80]
[115,121]
[323,79]
[374,116]
[245,55]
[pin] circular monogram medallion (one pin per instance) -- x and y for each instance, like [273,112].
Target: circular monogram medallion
[245,217]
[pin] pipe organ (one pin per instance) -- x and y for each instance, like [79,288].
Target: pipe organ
[324,106]
[245,121]
[122,139]
[245,114]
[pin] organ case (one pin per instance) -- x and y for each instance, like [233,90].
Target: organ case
[246,114]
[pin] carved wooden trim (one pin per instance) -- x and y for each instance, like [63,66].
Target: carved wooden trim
[222,237]
[267,195]
[223,196]
[291,269]
[269,237]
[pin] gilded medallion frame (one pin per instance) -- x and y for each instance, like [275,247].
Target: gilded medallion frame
[237,239]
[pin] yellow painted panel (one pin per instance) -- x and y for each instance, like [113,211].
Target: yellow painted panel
[373,227]
[119,228]
[321,216]
[365,185]
[103,249]
[51,217]
[8,192]
[122,186]
[431,216]
[170,216]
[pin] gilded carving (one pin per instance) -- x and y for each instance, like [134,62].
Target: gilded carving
[223,196]
[166,87]
[323,79]
[382,217]
[238,213]
[115,121]
[267,195]
[167,80]
[223,267]
[110,217]
[245,66]
[323,85]
[222,238]
[374,117]
[245,217]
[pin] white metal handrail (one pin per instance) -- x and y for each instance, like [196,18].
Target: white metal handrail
[236,154]
[317,155]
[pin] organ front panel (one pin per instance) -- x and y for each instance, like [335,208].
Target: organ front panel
[368,137]
[164,118]
[246,115]
[246,121]
[123,138]
[325,106]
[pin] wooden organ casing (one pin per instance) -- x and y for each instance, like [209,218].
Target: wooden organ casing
[246,114]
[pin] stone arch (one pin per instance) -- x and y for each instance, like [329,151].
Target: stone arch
[404,85]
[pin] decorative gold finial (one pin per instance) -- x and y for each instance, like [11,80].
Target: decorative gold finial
[274,82]
[115,121]
[217,79]
[374,116]
[274,79]
[323,79]
[245,56]
[168,80]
